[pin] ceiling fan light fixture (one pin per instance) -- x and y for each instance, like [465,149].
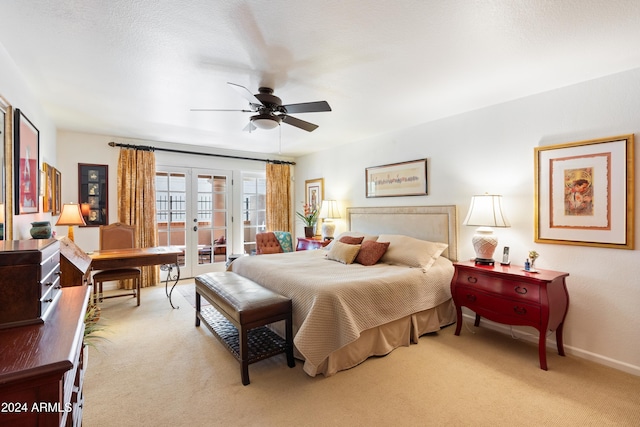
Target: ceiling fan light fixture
[266,121]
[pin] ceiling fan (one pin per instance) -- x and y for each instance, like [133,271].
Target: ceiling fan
[270,111]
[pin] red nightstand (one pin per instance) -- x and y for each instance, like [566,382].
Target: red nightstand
[509,295]
[305,244]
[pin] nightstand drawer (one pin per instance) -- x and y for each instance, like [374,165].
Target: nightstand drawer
[506,288]
[497,308]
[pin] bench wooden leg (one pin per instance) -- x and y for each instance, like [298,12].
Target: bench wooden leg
[197,308]
[244,356]
[289,337]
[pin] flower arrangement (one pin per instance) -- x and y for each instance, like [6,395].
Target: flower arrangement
[533,255]
[309,215]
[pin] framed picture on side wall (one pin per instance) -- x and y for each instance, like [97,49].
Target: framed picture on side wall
[584,193]
[93,182]
[26,165]
[56,207]
[313,196]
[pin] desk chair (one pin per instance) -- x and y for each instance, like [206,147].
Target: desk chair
[117,236]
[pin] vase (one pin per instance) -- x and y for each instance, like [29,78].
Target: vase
[309,232]
[40,230]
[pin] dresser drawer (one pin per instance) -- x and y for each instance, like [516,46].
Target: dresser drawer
[504,287]
[50,263]
[51,279]
[48,300]
[497,308]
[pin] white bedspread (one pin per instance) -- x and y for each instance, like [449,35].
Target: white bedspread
[333,303]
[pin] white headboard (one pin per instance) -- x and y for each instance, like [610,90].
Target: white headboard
[433,223]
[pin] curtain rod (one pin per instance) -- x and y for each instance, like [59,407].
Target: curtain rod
[149,148]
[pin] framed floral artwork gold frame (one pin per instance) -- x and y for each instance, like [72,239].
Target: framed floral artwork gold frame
[584,193]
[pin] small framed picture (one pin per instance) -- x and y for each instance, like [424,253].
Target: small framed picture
[93,175]
[94,215]
[94,202]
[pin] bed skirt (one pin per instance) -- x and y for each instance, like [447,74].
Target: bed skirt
[384,339]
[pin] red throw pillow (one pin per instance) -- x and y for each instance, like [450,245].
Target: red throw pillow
[371,252]
[350,240]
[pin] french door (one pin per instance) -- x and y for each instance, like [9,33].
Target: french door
[194,213]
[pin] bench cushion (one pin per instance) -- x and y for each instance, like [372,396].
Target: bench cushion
[242,299]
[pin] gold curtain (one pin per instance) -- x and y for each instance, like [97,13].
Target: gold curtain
[137,203]
[278,197]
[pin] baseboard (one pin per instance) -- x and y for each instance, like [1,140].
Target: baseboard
[551,343]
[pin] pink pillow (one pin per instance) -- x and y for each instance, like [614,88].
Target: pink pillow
[371,252]
[351,240]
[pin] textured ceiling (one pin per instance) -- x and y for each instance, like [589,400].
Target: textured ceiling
[135,68]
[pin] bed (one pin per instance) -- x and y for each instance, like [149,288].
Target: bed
[345,313]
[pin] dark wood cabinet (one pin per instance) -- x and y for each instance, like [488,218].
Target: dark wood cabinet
[509,295]
[29,280]
[42,366]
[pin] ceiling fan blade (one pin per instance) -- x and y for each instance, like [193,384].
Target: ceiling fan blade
[245,93]
[307,107]
[250,127]
[309,127]
[216,109]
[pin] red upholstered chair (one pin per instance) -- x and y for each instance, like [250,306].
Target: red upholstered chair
[267,243]
[117,236]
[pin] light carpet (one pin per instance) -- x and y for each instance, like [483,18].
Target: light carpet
[155,368]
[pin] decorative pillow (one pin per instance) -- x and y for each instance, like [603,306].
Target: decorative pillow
[352,240]
[405,250]
[343,252]
[371,252]
[352,234]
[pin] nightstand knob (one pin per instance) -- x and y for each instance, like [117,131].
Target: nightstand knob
[519,310]
[520,290]
[471,297]
[472,279]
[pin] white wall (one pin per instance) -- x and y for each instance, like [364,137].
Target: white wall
[491,150]
[15,90]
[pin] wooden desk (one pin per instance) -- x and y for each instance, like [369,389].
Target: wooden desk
[165,256]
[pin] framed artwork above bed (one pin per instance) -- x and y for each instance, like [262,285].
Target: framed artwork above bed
[397,179]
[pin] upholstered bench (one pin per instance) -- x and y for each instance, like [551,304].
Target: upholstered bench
[239,312]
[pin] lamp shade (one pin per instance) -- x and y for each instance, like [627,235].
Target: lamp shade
[329,210]
[70,215]
[486,211]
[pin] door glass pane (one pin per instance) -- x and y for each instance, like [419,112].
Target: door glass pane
[212,218]
[254,190]
[171,210]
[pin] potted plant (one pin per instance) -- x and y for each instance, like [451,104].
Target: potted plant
[309,217]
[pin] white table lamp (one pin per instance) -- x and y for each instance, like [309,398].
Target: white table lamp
[329,212]
[485,212]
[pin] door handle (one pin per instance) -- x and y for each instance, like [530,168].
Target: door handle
[195,228]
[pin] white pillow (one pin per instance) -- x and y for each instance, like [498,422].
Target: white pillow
[405,250]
